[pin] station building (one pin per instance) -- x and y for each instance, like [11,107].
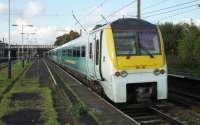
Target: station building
[2,49]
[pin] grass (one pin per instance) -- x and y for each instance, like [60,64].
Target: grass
[16,69]
[45,103]
[77,110]
[82,107]
[177,67]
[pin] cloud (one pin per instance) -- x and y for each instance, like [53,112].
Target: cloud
[42,36]
[3,8]
[48,35]
[20,21]
[33,8]
[95,17]
[122,13]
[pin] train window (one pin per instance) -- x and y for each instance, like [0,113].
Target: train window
[149,43]
[74,52]
[66,52]
[90,51]
[69,52]
[78,51]
[83,51]
[97,52]
[125,43]
[63,53]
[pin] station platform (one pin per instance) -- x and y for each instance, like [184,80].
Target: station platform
[105,113]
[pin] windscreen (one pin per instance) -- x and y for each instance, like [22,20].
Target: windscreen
[136,43]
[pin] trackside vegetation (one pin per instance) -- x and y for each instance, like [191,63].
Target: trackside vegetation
[16,70]
[28,100]
[182,45]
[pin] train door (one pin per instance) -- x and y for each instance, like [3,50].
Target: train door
[97,55]
[91,60]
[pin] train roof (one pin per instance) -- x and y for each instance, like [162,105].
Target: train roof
[132,23]
[128,23]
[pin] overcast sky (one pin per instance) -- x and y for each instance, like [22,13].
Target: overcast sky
[53,18]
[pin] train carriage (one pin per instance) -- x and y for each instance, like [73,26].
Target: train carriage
[125,59]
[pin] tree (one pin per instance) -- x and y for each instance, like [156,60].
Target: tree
[66,38]
[189,46]
[172,33]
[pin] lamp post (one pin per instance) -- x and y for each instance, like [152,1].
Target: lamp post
[22,29]
[138,9]
[9,51]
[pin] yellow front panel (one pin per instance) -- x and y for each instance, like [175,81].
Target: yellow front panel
[139,62]
[134,62]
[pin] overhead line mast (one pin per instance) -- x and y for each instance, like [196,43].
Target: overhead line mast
[139,9]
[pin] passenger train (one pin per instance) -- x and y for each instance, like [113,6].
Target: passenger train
[124,59]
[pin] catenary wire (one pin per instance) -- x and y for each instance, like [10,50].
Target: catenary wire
[170,7]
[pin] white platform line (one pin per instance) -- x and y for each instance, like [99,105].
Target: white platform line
[50,73]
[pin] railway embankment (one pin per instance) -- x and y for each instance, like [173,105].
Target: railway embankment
[28,102]
[5,83]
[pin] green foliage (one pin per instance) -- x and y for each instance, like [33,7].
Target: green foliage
[77,110]
[182,43]
[16,69]
[66,38]
[27,85]
[189,46]
[171,34]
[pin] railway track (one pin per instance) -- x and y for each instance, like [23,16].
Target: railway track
[152,115]
[184,90]
[184,98]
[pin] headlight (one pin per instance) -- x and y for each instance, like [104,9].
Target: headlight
[162,71]
[124,74]
[117,74]
[156,72]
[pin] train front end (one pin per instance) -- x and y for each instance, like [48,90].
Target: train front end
[139,63]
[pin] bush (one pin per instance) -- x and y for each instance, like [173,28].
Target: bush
[189,46]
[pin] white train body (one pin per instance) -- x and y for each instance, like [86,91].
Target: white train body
[126,58]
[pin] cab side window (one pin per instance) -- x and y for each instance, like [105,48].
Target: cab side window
[90,51]
[97,52]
